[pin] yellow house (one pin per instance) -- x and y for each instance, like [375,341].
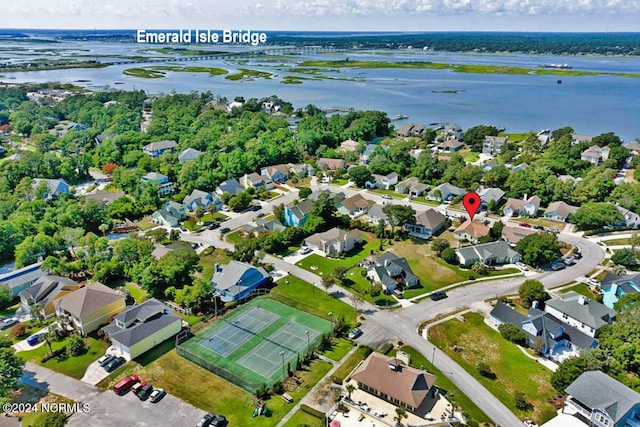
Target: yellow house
[90,307]
[45,291]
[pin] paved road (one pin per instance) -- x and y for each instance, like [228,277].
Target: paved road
[105,408]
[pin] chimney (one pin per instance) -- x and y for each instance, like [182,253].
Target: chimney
[216,268]
[582,300]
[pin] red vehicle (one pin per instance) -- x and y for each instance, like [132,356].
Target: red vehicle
[524,224]
[125,384]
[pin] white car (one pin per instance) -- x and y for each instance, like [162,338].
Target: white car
[305,250]
[593,282]
[522,266]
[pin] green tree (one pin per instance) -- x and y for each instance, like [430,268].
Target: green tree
[304,192]
[479,268]
[485,370]
[278,212]
[401,415]
[5,295]
[521,401]
[626,257]
[449,256]
[596,215]
[539,248]
[240,202]
[532,290]
[568,372]
[36,312]
[399,215]
[439,245]
[510,332]
[10,368]
[475,136]
[359,175]
[76,345]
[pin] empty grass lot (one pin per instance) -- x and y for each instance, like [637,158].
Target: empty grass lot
[301,418]
[345,369]
[514,371]
[339,348]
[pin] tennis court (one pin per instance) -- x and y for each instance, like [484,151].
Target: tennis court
[290,339]
[238,331]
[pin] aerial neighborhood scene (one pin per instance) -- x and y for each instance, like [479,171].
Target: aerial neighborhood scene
[320,228]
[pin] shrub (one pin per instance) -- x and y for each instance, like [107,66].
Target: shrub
[510,332]
[521,401]
[449,256]
[375,290]
[51,419]
[76,345]
[485,370]
[18,330]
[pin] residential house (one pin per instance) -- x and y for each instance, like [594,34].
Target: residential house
[445,193]
[170,215]
[490,164]
[382,181]
[331,164]
[631,219]
[5,129]
[561,341]
[544,136]
[368,152]
[189,154]
[349,145]
[54,187]
[166,187]
[494,145]
[451,131]
[613,287]
[293,121]
[595,154]
[526,207]
[161,250]
[335,241]
[66,128]
[410,129]
[603,401]
[45,291]
[471,231]
[493,253]
[487,195]
[392,272]
[411,186]
[157,149]
[450,145]
[355,206]
[231,186]
[512,235]
[274,173]
[296,214]
[263,226]
[337,197]
[389,379]
[520,167]
[237,280]
[300,169]
[427,224]
[559,211]
[90,307]
[106,197]
[577,138]
[376,214]
[141,328]
[633,147]
[255,181]
[199,198]
[584,314]
[21,279]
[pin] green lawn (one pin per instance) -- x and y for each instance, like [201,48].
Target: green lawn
[208,259]
[302,182]
[514,137]
[191,224]
[10,310]
[354,281]
[304,419]
[235,237]
[146,223]
[427,201]
[339,181]
[72,366]
[391,193]
[339,348]
[204,390]
[582,289]
[323,265]
[38,418]
[514,371]
[418,360]
[302,295]
[210,217]
[617,242]
[471,157]
[345,369]
[136,292]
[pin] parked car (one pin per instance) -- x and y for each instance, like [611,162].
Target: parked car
[538,227]
[256,208]
[386,196]
[219,421]
[125,384]
[34,339]
[137,386]
[524,224]
[355,333]
[554,230]
[260,215]
[8,322]
[557,266]
[438,295]
[593,282]
[577,255]
[305,250]
[114,364]
[144,391]
[206,420]
[214,225]
[224,230]
[182,228]
[522,266]
[225,208]
[157,395]
[569,261]
[106,359]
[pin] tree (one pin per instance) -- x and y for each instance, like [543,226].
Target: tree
[475,136]
[278,212]
[634,240]
[350,389]
[626,257]
[359,175]
[568,372]
[76,345]
[356,300]
[439,245]
[596,215]
[539,248]
[399,215]
[619,270]
[627,302]
[10,368]
[240,202]
[51,419]
[401,414]
[49,336]
[327,282]
[199,213]
[538,346]
[36,312]
[510,332]
[480,268]
[532,290]
[18,330]
[324,207]
[521,402]
[485,370]
[5,295]
[449,256]
[103,228]
[496,230]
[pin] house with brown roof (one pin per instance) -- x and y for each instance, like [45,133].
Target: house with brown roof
[331,164]
[411,186]
[390,379]
[276,172]
[349,145]
[256,181]
[527,207]
[335,241]
[559,211]
[427,224]
[105,197]
[513,235]
[355,206]
[90,307]
[471,231]
[410,129]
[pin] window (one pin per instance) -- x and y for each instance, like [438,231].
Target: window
[602,419]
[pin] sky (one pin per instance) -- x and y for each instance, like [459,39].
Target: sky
[336,15]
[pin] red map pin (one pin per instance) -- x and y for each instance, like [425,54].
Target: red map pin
[471,202]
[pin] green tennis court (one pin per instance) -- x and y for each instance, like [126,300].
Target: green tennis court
[256,342]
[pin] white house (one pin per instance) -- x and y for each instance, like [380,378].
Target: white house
[528,207]
[584,314]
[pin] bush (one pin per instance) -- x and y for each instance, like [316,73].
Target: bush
[51,419]
[278,388]
[18,330]
[375,290]
[76,345]
[510,332]
[479,268]
[449,256]
[521,401]
[485,370]
[304,192]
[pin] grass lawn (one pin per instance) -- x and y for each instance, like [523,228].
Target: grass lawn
[446,384]
[580,288]
[345,369]
[391,193]
[136,292]
[217,216]
[354,281]
[339,348]
[539,221]
[72,366]
[303,296]
[10,310]
[514,137]
[208,259]
[514,371]
[427,201]
[324,265]
[146,223]
[471,157]
[617,242]
[302,182]
[191,224]
[40,418]
[301,418]
[339,181]
[236,236]
[201,388]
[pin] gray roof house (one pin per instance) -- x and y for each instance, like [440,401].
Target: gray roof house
[55,187]
[631,219]
[156,149]
[335,241]
[559,211]
[411,186]
[91,306]
[587,315]
[492,253]
[105,197]
[189,154]
[445,193]
[595,154]
[236,280]
[392,272]
[494,145]
[451,145]
[19,280]
[375,214]
[427,224]
[604,401]
[489,194]
[45,291]
[141,328]
[231,186]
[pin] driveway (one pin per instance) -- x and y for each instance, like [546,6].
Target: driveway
[24,345]
[105,408]
[94,374]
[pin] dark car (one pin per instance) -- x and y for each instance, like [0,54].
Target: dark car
[577,255]
[144,391]
[355,333]
[219,421]
[538,227]
[557,266]
[157,395]
[213,225]
[225,230]
[256,208]
[438,295]
[206,420]
[34,339]
[114,364]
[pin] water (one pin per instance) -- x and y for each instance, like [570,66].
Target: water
[7,268]
[521,103]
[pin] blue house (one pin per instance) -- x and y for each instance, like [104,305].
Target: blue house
[613,287]
[236,280]
[296,215]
